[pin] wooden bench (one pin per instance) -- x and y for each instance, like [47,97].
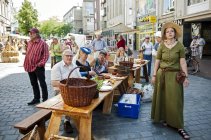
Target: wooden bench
[38,118]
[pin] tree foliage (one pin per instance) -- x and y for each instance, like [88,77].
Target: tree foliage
[27,17]
[53,27]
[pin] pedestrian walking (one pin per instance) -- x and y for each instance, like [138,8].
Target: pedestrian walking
[157,43]
[201,43]
[195,48]
[56,52]
[74,45]
[147,47]
[36,56]
[168,96]
[60,71]
[98,44]
[121,42]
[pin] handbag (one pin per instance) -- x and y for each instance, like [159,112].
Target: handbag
[180,77]
[154,52]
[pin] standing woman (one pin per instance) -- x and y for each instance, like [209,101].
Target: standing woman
[121,42]
[168,97]
[74,45]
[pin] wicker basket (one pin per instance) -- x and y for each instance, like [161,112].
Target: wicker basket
[126,63]
[123,70]
[77,92]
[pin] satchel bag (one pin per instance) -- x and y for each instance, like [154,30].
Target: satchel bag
[180,77]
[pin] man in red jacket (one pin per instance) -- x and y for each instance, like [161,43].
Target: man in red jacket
[36,56]
[121,42]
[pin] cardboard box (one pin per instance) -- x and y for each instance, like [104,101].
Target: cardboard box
[129,110]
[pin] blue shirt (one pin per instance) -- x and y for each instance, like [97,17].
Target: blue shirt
[99,44]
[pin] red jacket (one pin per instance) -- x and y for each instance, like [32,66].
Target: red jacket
[121,43]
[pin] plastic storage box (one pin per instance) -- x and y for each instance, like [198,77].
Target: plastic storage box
[129,110]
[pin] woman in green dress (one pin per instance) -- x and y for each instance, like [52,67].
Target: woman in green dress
[168,96]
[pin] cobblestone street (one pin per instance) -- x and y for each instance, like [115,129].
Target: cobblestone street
[15,92]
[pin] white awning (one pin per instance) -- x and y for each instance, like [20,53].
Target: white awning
[121,28]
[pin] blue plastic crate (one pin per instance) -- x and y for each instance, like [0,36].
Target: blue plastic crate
[129,110]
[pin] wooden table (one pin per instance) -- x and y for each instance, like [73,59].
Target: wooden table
[82,116]
[137,71]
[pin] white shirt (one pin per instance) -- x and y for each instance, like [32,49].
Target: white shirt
[60,71]
[148,48]
[201,42]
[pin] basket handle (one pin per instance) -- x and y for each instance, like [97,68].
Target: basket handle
[88,76]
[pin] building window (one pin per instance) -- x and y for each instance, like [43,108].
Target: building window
[192,2]
[1,8]
[103,1]
[104,12]
[168,6]
[130,11]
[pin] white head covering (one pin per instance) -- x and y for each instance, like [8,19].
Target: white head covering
[158,34]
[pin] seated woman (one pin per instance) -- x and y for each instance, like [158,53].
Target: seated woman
[120,56]
[100,63]
[81,60]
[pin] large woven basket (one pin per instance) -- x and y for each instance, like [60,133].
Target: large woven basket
[123,70]
[77,92]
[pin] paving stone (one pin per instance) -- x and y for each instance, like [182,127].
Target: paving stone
[146,134]
[197,113]
[11,137]
[8,132]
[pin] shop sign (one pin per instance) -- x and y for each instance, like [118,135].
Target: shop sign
[179,22]
[151,19]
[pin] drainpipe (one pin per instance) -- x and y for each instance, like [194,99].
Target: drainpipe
[125,13]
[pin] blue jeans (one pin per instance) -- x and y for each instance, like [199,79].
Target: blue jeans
[148,57]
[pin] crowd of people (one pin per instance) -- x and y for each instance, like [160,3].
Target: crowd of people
[168,53]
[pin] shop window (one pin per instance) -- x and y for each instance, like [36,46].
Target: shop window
[192,2]
[168,6]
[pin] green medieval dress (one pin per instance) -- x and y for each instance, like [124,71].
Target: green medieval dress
[168,96]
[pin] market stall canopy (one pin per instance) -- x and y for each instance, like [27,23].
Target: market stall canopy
[24,37]
[121,28]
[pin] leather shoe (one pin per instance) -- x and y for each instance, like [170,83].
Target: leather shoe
[33,102]
[67,127]
[44,100]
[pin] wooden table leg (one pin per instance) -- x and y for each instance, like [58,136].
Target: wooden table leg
[76,121]
[53,126]
[108,103]
[145,73]
[85,128]
[138,75]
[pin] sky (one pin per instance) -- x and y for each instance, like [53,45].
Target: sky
[50,8]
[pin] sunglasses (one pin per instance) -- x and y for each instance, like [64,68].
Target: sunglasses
[68,55]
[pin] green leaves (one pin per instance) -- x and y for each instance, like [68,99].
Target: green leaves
[53,27]
[99,82]
[27,17]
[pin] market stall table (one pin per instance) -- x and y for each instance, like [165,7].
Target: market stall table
[82,116]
